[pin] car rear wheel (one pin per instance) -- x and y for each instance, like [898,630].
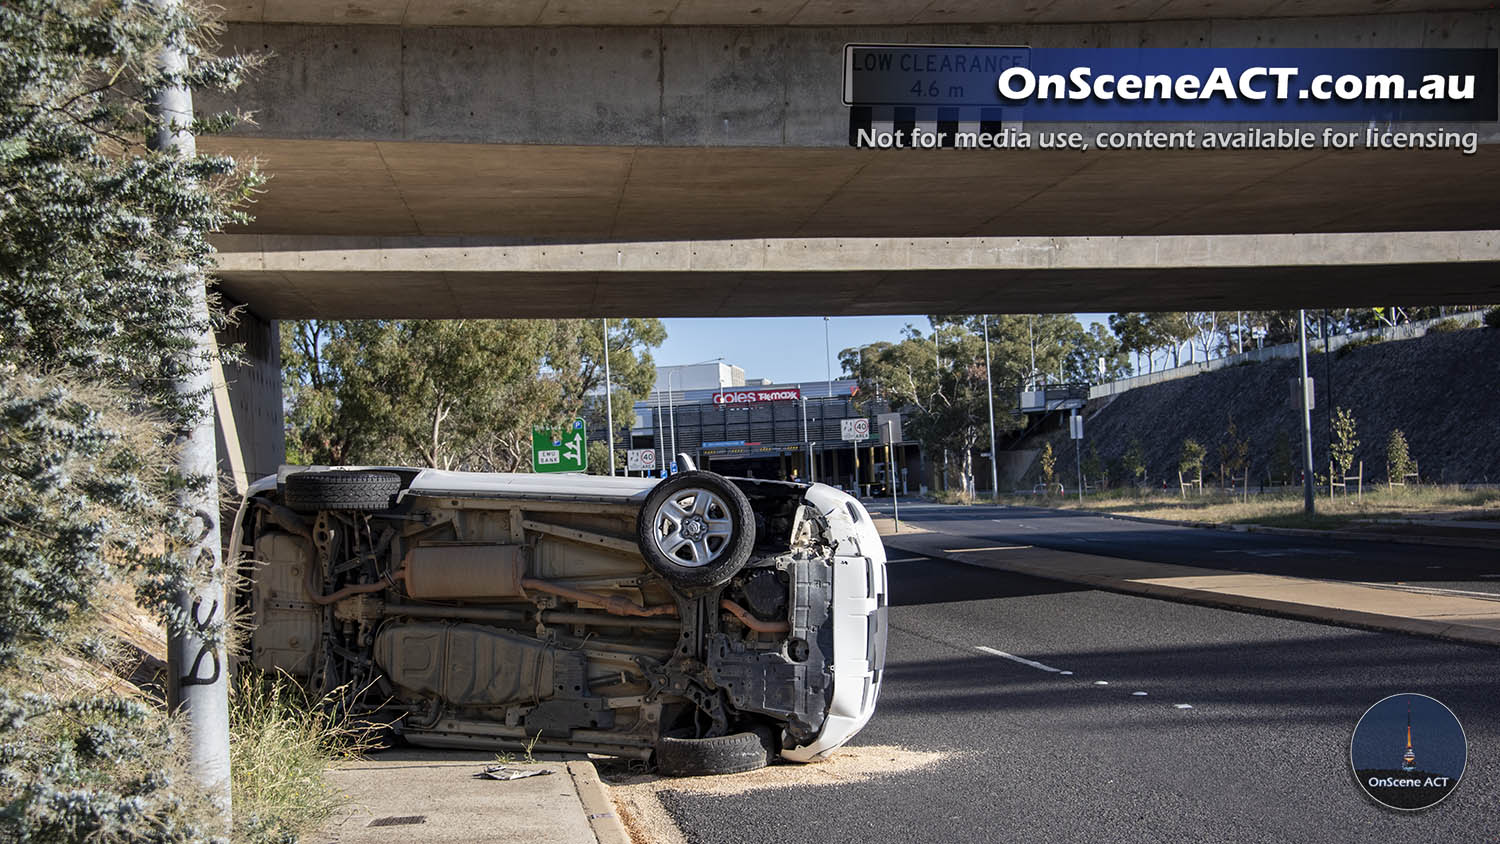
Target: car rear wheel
[735,753]
[309,492]
[696,529]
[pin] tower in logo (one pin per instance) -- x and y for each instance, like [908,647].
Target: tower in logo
[1408,759]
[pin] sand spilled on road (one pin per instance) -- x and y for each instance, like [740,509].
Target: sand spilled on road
[635,794]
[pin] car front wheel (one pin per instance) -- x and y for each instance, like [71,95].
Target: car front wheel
[696,529]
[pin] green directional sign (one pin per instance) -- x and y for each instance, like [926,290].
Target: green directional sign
[560,449]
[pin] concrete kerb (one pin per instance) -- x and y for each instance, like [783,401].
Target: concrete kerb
[1362,536]
[930,544]
[597,805]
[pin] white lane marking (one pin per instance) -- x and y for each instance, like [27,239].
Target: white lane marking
[1287,552]
[1101,682]
[1432,590]
[1066,673]
[1490,575]
[1182,706]
[1013,658]
[1138,694]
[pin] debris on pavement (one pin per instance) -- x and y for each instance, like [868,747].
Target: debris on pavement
[506,772]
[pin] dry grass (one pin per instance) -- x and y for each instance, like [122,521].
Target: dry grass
[1283,508]
[281,743]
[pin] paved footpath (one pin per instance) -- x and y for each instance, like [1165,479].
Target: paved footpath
[417,794]
[1472,617]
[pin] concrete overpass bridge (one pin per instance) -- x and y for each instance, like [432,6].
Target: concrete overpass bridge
[447,158]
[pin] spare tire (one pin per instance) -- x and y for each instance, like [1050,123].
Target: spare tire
[735,753]
[696,529]
[309,492]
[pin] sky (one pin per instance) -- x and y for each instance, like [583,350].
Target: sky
[785,349]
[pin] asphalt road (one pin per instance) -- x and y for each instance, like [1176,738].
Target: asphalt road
[1260,756]
[1441,567]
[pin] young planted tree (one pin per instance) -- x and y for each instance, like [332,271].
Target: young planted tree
[1398,461]
[1234,454]
[1190,462]
[1134,462]
[1093,466]
[1345,441]
[1048,464]
[1283,459]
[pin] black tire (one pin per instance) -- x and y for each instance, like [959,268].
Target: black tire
[728,557]
[735,753]
[309,492]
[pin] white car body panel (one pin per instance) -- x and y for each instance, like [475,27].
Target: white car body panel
[859,593]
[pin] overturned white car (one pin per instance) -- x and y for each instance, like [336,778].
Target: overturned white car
[709,622]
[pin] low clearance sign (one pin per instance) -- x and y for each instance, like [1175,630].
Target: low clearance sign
[752,396]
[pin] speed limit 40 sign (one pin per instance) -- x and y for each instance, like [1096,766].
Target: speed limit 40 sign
[854,429]
[640,459]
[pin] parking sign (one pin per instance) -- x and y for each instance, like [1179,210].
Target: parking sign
[854,429]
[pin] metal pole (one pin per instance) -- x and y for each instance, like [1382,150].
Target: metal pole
[807,455]
[828,355]
[1078,461]
[609,403]
[890,461]
[197,673]
[1328,376]
[671,418]
[1030,338]
[660,464]
[989,389]
[1307,457]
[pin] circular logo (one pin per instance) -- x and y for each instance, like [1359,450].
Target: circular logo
[1408,752]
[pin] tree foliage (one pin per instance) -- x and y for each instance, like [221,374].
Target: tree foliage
[102,251]
[1398,460]
[1345,441]
[937,380]
[454,394]
[1190,462]
[1134,461]
[1048,463]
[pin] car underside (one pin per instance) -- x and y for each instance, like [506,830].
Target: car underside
[692,621]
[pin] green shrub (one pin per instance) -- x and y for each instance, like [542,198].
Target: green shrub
[1492,317]
[1134,461]
[1191,460]
[1445,326]
[1345,441]
[1398,462]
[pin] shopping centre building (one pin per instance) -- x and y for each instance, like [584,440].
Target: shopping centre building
[776,431]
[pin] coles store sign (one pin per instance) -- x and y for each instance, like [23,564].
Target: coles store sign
[750,396]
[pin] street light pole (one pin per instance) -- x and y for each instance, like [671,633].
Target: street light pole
[827,357]
[660,430]
[890,462]
[1307,454]
[197,668]
[671,417]
[609,404]
[989,389]
[807,455]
